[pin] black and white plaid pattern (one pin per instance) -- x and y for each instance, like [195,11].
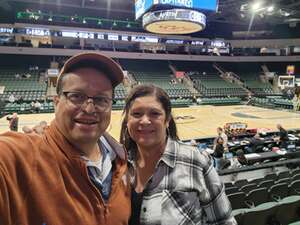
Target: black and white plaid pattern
[185,190]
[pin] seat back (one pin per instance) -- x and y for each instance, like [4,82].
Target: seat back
[283,180]
[271,176]
[257,181]
[258,196]
[240,183]
[295,171]
[231,190]
[266,184]
[296,177]
[228,184]
[278,191]
[263,214]
[284,174]
[248,187]
[237,200]
[294,188]
[288,210]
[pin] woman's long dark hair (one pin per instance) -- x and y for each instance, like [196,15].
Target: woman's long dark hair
[142,91]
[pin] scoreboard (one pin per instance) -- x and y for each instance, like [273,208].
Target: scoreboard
[143,6]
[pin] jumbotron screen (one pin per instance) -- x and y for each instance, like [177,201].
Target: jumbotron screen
[142,6]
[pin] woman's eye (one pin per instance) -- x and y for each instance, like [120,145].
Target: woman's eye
[155,113]
[136,114]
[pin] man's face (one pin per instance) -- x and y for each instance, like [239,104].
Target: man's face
[83,123]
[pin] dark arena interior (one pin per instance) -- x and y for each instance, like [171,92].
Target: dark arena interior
[240,73]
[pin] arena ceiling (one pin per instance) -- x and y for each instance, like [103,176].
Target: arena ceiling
[234,18]
[229,11]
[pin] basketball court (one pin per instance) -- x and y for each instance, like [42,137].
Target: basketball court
[195,121]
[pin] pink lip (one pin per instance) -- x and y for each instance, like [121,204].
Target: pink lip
[145,131]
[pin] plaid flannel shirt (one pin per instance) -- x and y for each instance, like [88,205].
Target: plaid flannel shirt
[185,189]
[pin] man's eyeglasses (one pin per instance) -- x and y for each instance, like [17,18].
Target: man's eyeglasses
[100,102]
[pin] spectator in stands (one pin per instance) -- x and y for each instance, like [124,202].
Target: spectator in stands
[249,99]
[241,157]
[169,170]
[37,106]
[75,164]
[240,160]
[27,75]
[283,137]
[255,144]
[296,103]
[32,107]
[218,152]
[20,100]
[13,122]
[221,134]
[11,98]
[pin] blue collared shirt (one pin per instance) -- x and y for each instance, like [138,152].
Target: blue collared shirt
[100,172]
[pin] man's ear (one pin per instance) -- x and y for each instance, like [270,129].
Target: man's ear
[56,100]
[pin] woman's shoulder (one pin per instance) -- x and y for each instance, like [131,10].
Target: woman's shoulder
[185,150]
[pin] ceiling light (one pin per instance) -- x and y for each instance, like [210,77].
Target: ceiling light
[270,8]
[284,13]
[244,8]
[256,6]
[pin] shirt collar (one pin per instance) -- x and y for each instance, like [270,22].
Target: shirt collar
[170,154]
[106,151]
[168,157]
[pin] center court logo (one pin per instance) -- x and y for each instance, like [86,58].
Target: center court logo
[185,119]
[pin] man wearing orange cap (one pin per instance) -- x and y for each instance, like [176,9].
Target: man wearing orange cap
[73,173]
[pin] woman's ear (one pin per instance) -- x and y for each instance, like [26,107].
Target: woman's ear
[168,122]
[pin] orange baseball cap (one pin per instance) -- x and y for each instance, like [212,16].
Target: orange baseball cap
[113,70]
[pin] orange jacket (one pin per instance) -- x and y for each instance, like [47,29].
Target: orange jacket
[44,181]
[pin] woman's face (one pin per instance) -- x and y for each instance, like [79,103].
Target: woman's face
[220,141]
[147,122]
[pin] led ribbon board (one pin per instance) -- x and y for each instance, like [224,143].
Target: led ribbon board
[210,5]
[174,21]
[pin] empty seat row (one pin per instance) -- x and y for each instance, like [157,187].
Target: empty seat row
[284,212]
[261,195]
[291,174]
